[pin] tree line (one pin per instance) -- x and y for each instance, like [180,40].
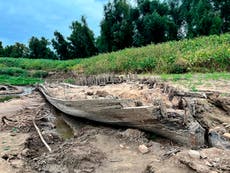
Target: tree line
[131,25]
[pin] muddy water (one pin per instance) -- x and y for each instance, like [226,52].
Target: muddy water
[62,128]
[67,126]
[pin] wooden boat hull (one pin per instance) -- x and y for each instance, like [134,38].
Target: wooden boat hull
[148,118]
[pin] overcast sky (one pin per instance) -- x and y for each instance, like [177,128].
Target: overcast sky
[21,19]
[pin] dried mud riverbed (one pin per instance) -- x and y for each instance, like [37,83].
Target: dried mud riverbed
[80,146]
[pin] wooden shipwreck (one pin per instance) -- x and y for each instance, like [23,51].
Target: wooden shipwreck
[176,125]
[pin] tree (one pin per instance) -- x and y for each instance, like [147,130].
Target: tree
[223,6]
[155,23]
[1,50]
[116,27]
[154,28]
[177,21]
[225,14]
[82,42]
[201,17]
[39,48]
[105,40]
[19,50]
[61,46]
[7,50]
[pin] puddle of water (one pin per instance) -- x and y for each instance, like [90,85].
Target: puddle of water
[62,128]
[26,90]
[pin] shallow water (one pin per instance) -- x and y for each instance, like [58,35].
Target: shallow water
[26,90]
[62,128]
[67,126]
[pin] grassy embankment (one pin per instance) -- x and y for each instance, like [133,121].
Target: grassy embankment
[23,71]
[204,55]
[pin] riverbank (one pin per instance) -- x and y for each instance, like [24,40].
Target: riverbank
[80,145]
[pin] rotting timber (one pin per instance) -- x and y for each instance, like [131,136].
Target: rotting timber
[176,124]
[90,146]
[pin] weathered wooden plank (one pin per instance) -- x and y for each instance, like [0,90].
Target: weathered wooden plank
[168,123]
[190,94]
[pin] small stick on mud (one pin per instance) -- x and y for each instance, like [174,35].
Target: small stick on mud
[171,152]
[41,137]
[38,130]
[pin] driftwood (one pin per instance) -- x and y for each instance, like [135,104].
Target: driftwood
[38,130]
[41,137]
[190,94]
[169,123]
[69,85]
[171,152]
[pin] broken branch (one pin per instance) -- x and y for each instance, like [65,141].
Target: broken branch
[41,137]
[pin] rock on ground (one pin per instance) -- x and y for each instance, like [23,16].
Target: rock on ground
[211,159]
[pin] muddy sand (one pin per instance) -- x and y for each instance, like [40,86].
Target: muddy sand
[81,146]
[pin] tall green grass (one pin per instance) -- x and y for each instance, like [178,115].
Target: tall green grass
[24,71]
[19,76]
[204,54]
[19,80]
[38,64]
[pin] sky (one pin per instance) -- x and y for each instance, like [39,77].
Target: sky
[22,19]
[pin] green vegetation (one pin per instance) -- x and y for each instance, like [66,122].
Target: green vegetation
[198,76]
[6,98]
[204,54]
[39,48]
[157,21]
[20,80]
[13,71]
[196,80]
[125,25]
[19,76]
[24,71]
[38,64]
[69,80]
